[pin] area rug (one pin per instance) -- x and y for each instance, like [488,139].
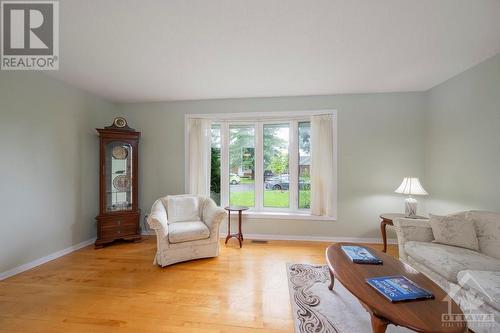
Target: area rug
[316,309]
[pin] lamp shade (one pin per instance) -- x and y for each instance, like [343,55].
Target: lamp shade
[411,185]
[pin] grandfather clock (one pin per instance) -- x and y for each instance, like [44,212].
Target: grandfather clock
[119,212]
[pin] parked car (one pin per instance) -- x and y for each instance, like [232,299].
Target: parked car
[268,174]
[234,179]
[278,183]
[282,182]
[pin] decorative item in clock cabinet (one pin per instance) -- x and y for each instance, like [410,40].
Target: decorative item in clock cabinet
[119,213]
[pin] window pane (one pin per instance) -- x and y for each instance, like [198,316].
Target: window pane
[304,165]
[215,165]
[242,165]
[276,181]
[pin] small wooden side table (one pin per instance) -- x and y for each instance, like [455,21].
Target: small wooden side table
[387,220]
[239,234]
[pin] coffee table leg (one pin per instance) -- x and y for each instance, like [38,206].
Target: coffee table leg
[240,234]
[332,280]
[379,325]
[228,226]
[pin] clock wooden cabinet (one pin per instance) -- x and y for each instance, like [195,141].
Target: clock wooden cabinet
[119,213]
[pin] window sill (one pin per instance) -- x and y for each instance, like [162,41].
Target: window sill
[287,216]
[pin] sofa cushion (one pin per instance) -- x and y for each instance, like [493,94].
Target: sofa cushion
[488,231]
[187,231]
[447,260]
[455,231]
[484,284]
[181,208]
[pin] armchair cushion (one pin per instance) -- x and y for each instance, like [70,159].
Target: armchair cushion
[182,208]
[447,261]
[187,231]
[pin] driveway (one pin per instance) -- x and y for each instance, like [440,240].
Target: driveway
[242,188]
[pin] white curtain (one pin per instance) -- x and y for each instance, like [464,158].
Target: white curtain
[198,156]
[322,168]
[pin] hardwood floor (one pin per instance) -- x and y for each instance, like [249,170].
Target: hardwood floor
[118,289]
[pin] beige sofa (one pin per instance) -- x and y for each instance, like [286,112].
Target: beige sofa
[470,278]
[186,227]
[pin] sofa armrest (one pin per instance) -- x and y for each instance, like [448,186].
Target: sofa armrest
[157,219]
[412,230]
[212,216]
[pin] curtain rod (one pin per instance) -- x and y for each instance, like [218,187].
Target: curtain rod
[269,116]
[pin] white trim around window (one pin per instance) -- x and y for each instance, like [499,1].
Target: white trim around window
[258,119]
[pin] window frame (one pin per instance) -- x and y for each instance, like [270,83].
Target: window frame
[258,120]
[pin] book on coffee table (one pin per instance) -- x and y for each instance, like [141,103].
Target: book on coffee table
[398,288]
[360,255]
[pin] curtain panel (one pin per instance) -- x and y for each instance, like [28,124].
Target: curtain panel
[322,168]
[198,156]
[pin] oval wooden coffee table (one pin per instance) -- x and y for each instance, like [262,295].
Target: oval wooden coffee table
[418,315]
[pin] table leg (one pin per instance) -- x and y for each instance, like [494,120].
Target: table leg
[379,325]
[332,279]
[384,236]
[228,226]
[240,234]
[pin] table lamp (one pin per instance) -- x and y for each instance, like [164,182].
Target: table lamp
[411,186]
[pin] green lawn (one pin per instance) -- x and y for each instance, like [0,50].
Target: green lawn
[305,199]
[277,199]
[242,199]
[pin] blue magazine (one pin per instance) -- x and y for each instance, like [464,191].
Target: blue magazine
[398,288]
[360,255]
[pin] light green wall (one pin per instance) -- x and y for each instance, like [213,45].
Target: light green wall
[48,168]
[380,140]
[463,141]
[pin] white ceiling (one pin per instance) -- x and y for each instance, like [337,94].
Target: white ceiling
[131,51]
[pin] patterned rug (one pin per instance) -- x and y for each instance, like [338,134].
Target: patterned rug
[316,309]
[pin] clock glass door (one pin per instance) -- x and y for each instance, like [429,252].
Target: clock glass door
[118,172]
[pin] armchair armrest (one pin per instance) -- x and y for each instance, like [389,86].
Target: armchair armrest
[212,216]
[412,230]
[157,219]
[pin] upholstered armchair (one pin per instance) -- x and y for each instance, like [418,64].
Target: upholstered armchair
[186,227]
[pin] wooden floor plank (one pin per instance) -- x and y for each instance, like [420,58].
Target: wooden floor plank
[118,289]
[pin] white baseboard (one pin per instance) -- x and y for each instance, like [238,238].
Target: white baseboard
[43,260]
[315,238]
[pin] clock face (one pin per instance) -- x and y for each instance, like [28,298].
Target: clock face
[120,122]
[119,152]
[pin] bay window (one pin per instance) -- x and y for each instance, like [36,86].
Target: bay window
[264,161]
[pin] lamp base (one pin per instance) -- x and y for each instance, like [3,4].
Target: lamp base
[411,208]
